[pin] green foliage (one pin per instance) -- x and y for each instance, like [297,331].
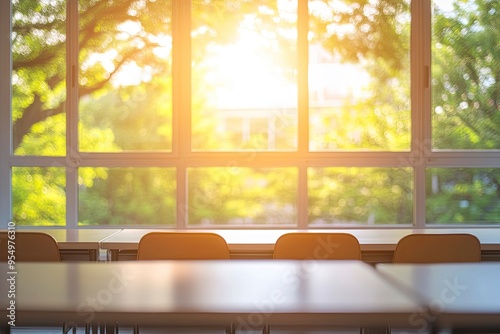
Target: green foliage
[360,195]
[466,96]
[132,118]
[362,29]
[463,195]
[127,196]
[238,196]
[38,196]
[466,76]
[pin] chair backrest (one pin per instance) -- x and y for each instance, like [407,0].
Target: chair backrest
[437,248]
[317,246]
[182,246]
[29,247]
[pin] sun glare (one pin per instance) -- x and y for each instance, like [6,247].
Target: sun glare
[246,76]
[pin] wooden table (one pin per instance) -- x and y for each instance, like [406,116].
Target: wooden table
[246,294]
[87,241]
[260,243]
[253,242]
[463,295]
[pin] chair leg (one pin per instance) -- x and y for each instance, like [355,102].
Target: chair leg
[112,328]
[266,329]
[67,327]
[136,329]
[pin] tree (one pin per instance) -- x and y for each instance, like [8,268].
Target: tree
[466,96]
[466,76]
[121,36]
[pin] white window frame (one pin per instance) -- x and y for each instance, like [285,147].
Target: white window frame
[419,157]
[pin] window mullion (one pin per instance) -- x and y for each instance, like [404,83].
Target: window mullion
[72,157]
[303,110]
[302,77]
[5,117]
[181,109]
[420,102]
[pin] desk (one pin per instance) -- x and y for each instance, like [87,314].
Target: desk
[246,241]
[83,240]
[261,242]
[458,295]
[247,294]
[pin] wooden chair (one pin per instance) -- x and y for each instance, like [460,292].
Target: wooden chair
[437,248]
[182,246]
[30,247]
[317,246]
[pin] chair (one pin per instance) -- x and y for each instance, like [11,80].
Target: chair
[317,246]
[437,248]
[30,247]
[182,246]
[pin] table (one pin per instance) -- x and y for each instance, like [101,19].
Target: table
[459,295]
[83,240]
[246,294]
[248,241]
[261,242]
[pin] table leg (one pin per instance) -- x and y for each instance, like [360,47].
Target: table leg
[113,254]
[93,254]
[111,329]
[230,329]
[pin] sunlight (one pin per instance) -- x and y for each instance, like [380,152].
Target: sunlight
[444,5]
[256,72]
[244,75]
[131,74]
[334,82]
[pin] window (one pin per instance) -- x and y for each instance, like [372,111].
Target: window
[249,113]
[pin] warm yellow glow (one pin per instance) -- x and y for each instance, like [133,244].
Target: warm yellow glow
[131,74]
[245,75]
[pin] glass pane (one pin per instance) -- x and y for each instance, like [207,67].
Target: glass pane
[39,77]
[242,196]
[465,67]
[463,196]
[359,75]
[39,196]
[125,75]
[367,196]
[126,196]
[244,56]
